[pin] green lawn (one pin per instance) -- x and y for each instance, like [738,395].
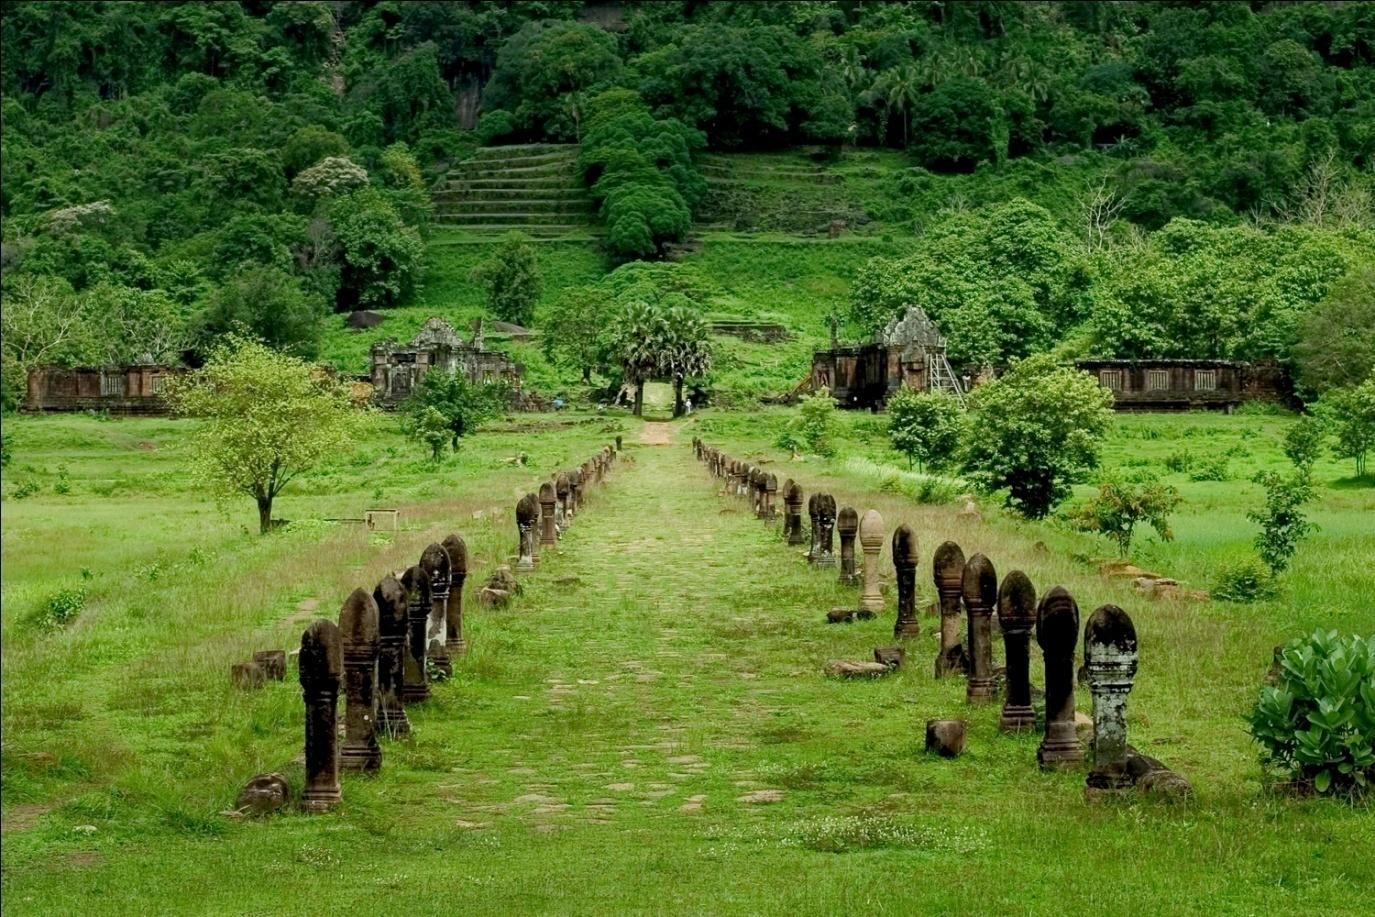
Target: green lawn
[591,753]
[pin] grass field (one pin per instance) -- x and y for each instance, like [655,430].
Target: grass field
[596,751]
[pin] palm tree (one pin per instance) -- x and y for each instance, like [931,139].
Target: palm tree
[899,89]
[688,352]
[638,344]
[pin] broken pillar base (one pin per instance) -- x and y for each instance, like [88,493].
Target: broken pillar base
[273,664]
[890,656]
[263,795]
[247,675]
[946,737]
[847,668]
[952,662]
[1017,719]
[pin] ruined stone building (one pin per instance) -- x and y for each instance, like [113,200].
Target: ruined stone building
[397,369]
[908,352]
[1181,385]
[134,389]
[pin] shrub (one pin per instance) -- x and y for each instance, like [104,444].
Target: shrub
[1243,582]
[1211,468]
[1281,520]
[1318,723]
[512,279]
[816,422]
[1351,412]
[60,609]
[25,489]
[1119,507]
[1179,461]
[1303,442]
[925,426]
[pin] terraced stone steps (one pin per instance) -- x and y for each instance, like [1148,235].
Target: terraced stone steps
[534,188]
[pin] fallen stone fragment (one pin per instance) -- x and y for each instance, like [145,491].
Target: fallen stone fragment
[846,668]
[890,656]
[263,795]
[247,675]
[760,796]
[945,737]
[1153,778]
[272,662]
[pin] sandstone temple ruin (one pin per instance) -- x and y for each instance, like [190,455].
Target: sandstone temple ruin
[397,369]
[908,352]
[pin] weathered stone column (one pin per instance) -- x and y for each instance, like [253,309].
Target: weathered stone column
[415,679]
[321,664]
[574,493]
[454,642]
[825,524]
[1057,632]
[390,597]
[434,563]
[527,515]
[770,497]
[1110,654]
[813,532]
[756,479]
[358,637]
[847,523]
[947,569]
[1017,615]
[792,512]
[548,524]
[871,543]
[905,571]
[561,490]
[618,442]
[980,595]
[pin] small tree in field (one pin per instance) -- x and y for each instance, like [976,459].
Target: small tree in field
[1303,443]
[924,426]
[1120,507]
[1351,412]
[573,327]
[444,408]
[512,279]
[1036,431]
[1281,520]
[266,417]
[816,423]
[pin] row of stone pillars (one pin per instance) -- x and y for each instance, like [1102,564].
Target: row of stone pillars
[387,644]
[969,596]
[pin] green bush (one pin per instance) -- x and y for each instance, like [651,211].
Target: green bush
[1247,581]
[60,609]
[1282,522]
[1211,468]
[925,426]
[1317,725]
[1119,506]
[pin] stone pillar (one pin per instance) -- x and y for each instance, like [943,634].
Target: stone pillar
[980,596]
[847,523]
[358,637]
[756,481]
[390,597]
[1057,632]
[574,493]
[1017,615]
[871,543]
[618,442]
[792,512]
[415,680]
[561,489]
[825,523]
[435,564]
[527,515]
[454,643]
[321,664]
[1110,654]
[770,497]
[548,525]
[814,532]
[905,571]
[947,569]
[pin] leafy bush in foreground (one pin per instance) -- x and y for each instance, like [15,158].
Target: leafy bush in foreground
[1318,723]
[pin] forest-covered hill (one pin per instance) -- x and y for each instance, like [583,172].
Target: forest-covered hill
[1131,178]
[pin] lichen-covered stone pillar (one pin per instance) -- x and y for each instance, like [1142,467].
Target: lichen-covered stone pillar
[1057,632]
[947,569]
[825,537]
[905,572]
[435,564]
[527,515]
[454,641]
[847,524]
[561,489]
[980,590]
[548,524]
[574,493]
[770,497]
[415,679]
[321,664]
[792,512]
[358,637]
[871,543]
[1017,615]
[814,532]
[390,597]
[1110,653]
[756,478]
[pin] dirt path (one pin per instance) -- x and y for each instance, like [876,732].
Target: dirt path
[656,434]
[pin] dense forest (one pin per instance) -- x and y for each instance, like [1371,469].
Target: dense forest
[175,170]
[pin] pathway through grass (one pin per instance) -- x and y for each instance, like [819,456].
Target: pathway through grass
[646,730]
